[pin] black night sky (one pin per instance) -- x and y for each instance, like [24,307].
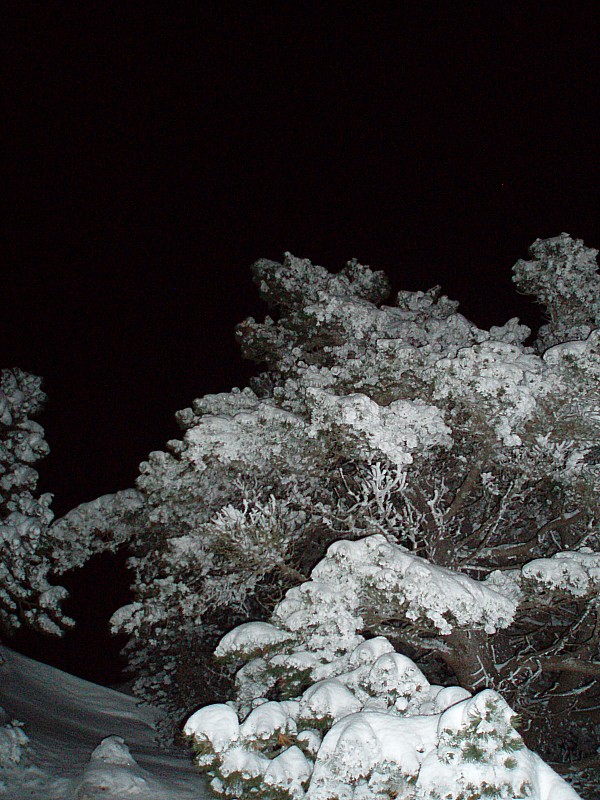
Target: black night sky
[152,158]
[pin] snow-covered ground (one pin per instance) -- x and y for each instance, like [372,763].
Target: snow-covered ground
[84,741]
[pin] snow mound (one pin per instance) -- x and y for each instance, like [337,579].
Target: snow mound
[13,741]
[217,724]
[112,773]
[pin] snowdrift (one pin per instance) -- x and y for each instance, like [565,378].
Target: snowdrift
[80,741]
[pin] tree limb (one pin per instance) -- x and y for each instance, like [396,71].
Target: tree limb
[524,548]
[466,486]
[576,766]
[560,522]
[291,572]
[411,639]
[567,665]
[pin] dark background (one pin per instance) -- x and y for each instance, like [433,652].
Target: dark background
[152,158]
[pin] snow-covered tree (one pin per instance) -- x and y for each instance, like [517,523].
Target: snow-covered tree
[321,712]
[563,275]
[26,594]
[32,549]
[474,454]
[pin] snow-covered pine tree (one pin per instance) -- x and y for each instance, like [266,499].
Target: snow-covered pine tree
[475,453]
[32,549]
[321,712]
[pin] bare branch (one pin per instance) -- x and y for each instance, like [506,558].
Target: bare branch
[425,509]
[512,550]
[289,572]
[490,527]
[504,552]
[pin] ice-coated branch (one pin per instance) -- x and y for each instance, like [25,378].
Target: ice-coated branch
[101,525]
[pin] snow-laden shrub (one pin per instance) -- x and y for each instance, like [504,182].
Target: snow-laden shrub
[464,446]
[320,712]
[235,543]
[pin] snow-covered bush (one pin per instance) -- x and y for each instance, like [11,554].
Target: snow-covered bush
[469,451]
[321,712]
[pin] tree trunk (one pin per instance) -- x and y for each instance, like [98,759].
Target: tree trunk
[471,659]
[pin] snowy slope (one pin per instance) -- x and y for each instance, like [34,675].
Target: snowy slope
[85,741]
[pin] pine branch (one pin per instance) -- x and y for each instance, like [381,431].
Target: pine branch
[410,639]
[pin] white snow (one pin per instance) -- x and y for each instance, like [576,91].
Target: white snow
[328,699]
[506,381]
[368,652]
[247,764]
[267,721]
[360,743]
[289,770]
[13,741]
[395,431]
[216,723]
[85,741]
[394,675]
[427,590]
[573,571]
[250,637]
